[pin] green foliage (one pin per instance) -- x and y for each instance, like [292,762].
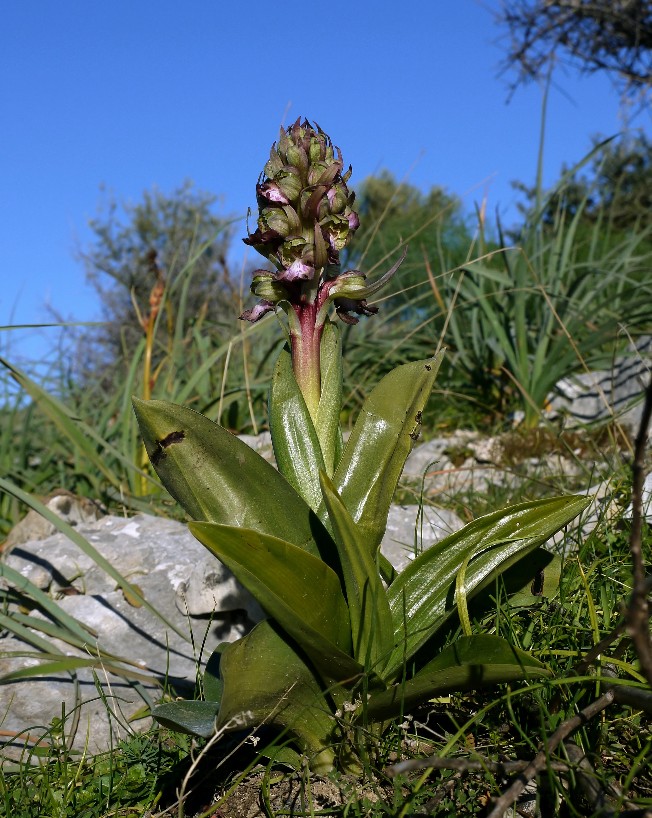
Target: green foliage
[59,432]
[123,782]
[394,214]
[524,318]
[344,655]
[614,190]
[135,247]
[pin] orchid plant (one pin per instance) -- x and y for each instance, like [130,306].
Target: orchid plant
[348,643]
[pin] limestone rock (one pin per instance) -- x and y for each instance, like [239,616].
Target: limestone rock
[262,444]
[212,587]
[72,509]
[158,556]
[406,536]
[599,395]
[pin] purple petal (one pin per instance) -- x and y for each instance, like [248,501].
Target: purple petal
[298,270]
[344,306]
[272,192]
[257,311]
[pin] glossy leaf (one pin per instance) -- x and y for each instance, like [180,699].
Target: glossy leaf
[193,717]
[371,620]
[529,581]
[217,477]
[296,589]
[296,446]
[212,681]
[471,662]
[382,438]
[327,422]
[421,597]
[267,682]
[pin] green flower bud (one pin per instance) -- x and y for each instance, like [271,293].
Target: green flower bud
[273,218]
[297,156]
[274,164]
[289,181]
[266,287]
[302,184]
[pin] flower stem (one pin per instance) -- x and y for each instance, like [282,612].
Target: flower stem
[306,356]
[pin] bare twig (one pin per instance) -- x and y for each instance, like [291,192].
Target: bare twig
[541,761]
[464,765]
[638,611]
[600,801]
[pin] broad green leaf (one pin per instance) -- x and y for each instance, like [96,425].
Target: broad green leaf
[327,423]
[267,682]
[383,436]
[296,589]
[193,717]
[371,620]
[296,446]
[211,681]
[472,662]
[421,597]
[217,477]
[528,582]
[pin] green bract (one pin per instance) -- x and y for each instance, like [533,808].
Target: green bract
[347,642]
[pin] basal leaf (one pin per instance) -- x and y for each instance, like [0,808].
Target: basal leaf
[383,436]
[267,682]
[371,620]
[421,597]
[296,589]
[327,423]
[217,477]
[193,717]
[296,446]
[471,662]
[527,582]
[212,681]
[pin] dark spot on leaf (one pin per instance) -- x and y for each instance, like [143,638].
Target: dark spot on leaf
[168,440]
[173,437]
[418,417]
[428,367]
[537,585]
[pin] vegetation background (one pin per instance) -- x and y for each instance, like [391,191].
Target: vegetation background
[521,296]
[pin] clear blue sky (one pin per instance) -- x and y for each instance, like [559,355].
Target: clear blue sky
[135,93]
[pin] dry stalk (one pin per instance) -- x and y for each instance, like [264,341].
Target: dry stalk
[542,759]
[638,611]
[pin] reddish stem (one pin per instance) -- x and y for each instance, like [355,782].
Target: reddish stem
[306,362]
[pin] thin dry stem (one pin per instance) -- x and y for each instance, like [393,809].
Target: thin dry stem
[638,611]
[541,761]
